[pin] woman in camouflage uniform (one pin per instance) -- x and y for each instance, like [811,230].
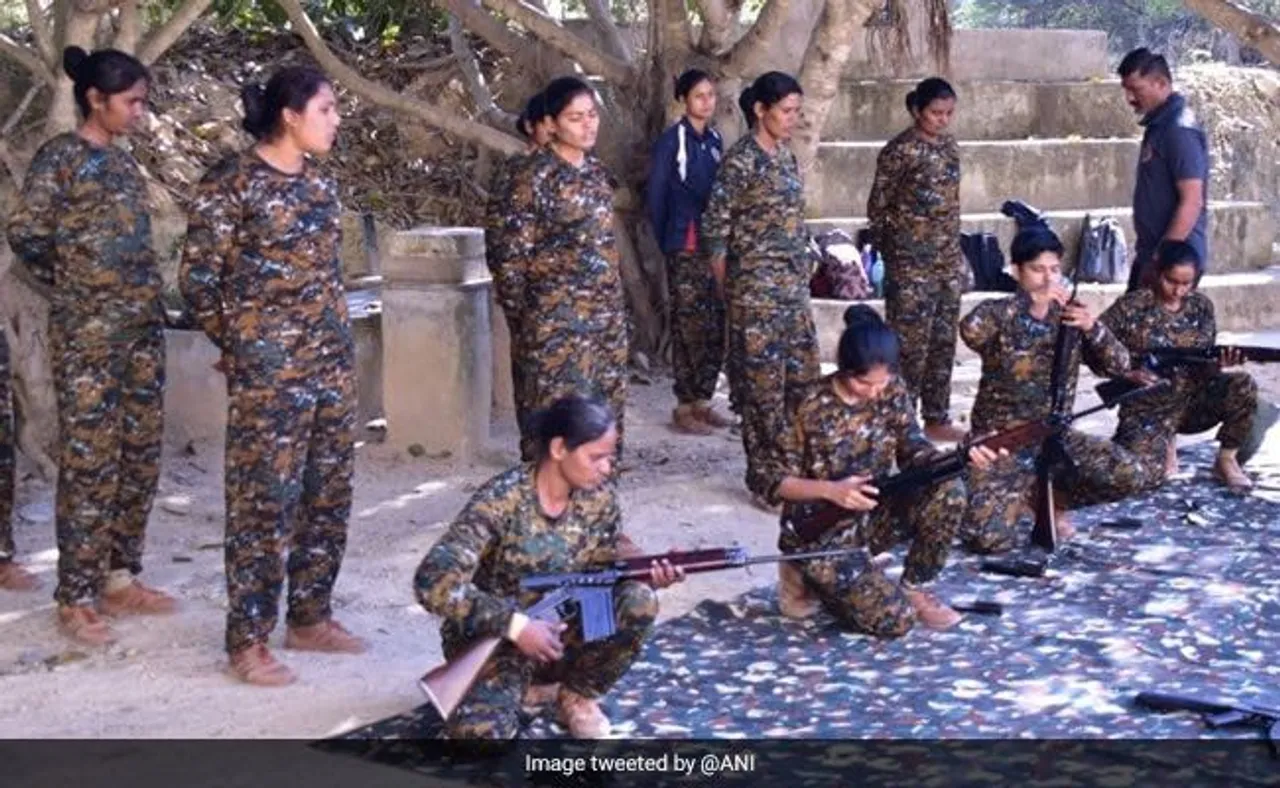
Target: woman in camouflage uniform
[1016,338]
[914,215]
[682,167]
[507,273]
[1170,314]
[853,426]
[572,314]
[262,272]
[754,233]
[555,514]
[83,228]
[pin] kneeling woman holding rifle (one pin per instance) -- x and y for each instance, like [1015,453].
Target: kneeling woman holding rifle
[1161,320]
[849,429]
[555,514]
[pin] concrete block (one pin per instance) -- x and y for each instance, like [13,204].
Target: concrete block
[1049,174]
[437,357]
[504,402]
[1242,302]
[980,54]
[1241,234]
[867,111]
[195,394]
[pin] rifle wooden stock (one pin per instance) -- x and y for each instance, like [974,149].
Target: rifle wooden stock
[447,684]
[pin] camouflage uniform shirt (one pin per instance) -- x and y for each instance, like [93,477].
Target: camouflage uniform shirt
[914,207]
[561,232]
[1139,322]
[83,227]
[830,439]
[471,576]
[755,218]
[1017,360]
[262,268]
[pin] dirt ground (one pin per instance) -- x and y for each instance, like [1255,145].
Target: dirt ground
[164,678]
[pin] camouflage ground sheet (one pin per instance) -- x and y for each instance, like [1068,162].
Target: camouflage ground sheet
[1188,602]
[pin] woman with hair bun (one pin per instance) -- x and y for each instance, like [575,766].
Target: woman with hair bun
[854,425]
[1016,338]
[573,314]
[914,215]
[262,272]
[755,238]
[554,513]
[82,228]
[499,228]
[682,167]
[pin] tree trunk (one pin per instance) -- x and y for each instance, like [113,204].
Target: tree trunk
[1252,30]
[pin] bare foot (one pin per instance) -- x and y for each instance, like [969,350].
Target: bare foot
[582,716]
[930,610]
[1063,530]
[1228,471]
[14,577]
[1171,461]
[795,600]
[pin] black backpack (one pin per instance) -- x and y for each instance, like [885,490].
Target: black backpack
[982,250]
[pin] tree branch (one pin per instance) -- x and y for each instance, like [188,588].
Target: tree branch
[602,16]
[168,34]
[40,32]
[130,30]
[823,64]
[563,40]
[27,58]
[445,121]
[763,34]
[21,109]
[1253,30]
[465,57]
[717,25]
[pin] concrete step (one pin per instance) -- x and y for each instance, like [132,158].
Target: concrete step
[992,110]
[990,54]
[1243,302]
[1049,174]
[1241,234]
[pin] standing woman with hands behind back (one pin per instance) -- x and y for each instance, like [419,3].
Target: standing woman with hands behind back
[914,212]
[262,273]
[754,234]
[82,227]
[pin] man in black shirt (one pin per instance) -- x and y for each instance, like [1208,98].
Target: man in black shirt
[1170,198]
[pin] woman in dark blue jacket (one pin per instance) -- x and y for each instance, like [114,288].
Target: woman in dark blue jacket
[682,168]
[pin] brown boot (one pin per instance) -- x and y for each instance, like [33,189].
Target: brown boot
[329,637]
[256,665]
[132,598]
[82,624]
[795,600]
[582,716]
[708,415]
[1227,470]
[931,612]
[686,420]
[13,577]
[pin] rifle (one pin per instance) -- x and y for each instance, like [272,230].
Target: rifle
[590,595]
[824,515]
[1158,358]
[1219,713]
[1054,450]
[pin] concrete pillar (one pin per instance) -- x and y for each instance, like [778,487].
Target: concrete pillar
[437,355]
[504,402]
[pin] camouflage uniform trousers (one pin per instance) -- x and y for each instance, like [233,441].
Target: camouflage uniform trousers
[923,307]
[860,596]
[1105,471]
[697,328]
[8,442]
[1227,398]
[491,708]
[111,422]
[774,355]
[520,398]
[559,361]
[290,456]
